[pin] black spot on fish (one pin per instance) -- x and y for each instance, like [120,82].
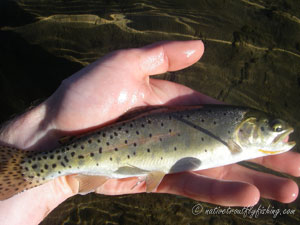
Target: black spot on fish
[51,156]
[209,110]
[107,143]
[202,138]
[241,130]
[128,156]
[162,124]
[115,133]
[175,148]
[53,165]
[33,159]
[134,153]
[215,122]
[26,168]
[92,154]
[137,132]
[98,140]
[134,144]
[62,163]
[149,121]
[161,158]
[125,141]
[143,125]
[68,148]
[66,159]
[98,132]
[110,158]
[103,135]
[58,157]
[46,166]
[116,149]
[131,125]
[75,146]
[224,114]
[42,171]
[178,134]
[82,147]
[187,116]
[100,150]
[59,172]
[148,149]
[97,164]
[126,131]
[170,117]
[44,157]
[111,137]
[229,132]
[80,157]
[72,154]
[89,141]
[39,158]
[38,174]
[262,128]
[150,135]
[205,150]
[170,130]
[202,120]
[34,166]
[160,139]
[119,128]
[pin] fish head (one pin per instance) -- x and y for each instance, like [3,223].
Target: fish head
[265,134]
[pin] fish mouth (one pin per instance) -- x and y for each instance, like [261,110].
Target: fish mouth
[284,137]
[282,142]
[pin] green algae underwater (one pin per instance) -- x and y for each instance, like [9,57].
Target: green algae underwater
[251,59]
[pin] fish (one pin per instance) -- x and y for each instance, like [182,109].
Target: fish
[149,144]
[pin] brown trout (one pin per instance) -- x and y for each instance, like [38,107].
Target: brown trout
[161,141]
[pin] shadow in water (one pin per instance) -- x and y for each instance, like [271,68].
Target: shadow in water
[27,68]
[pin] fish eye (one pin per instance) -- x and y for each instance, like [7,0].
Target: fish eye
[276,126]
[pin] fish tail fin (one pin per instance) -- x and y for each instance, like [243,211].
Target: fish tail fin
[12,177]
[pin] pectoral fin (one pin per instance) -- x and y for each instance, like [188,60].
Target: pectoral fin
[153,179]
[88,183]
[234,147]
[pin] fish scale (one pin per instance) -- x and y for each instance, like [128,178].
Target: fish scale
[160,141]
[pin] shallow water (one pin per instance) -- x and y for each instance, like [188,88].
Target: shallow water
[252,58]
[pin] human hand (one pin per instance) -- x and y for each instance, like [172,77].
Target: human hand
[106,89]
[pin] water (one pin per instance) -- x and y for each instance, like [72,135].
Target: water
[252,55]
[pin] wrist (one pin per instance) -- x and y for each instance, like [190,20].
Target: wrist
[29,130]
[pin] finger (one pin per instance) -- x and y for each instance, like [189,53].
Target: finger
[169,56]
[226,193]
[170,93]
[33,205]
[200,188]
[278,163]
[270,186]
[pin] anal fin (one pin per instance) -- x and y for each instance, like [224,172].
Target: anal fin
[89,183]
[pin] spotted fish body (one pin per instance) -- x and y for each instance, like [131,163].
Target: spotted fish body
[161,141]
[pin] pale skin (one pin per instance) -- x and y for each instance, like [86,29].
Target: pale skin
[106,89]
